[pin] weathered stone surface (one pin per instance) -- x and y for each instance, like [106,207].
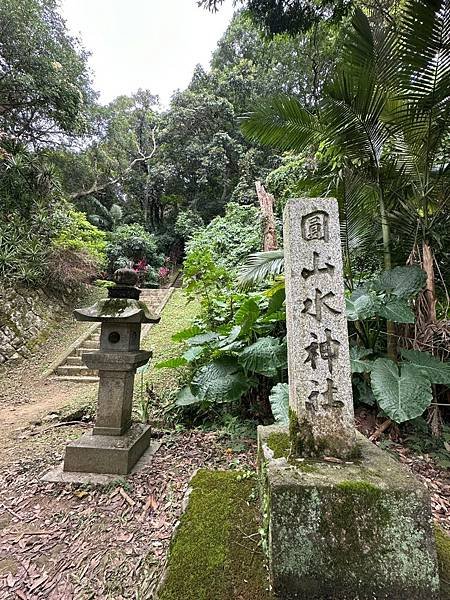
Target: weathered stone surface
[120,337]
[26,316]
[113,446]
[113,309]
[349,531]
[58,475]
[115,391]
[107,454]
[320,392]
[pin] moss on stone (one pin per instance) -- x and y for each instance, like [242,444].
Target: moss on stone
[347,530]
[214,553]
[304,444]
[301,437]
[280,444]
[443,554]
[305,467]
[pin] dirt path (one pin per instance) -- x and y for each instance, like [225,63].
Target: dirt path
[26,398]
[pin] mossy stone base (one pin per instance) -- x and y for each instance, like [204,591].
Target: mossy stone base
[215,553]
[346,531]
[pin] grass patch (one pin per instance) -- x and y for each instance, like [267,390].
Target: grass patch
[216,553]
[177,315]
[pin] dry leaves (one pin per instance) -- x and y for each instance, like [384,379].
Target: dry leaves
[62,542]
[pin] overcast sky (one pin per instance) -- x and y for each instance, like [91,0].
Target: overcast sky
[150,44]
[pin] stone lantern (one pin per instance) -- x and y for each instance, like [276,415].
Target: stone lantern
[115,444]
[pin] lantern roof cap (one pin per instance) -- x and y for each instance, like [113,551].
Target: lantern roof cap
[117,310]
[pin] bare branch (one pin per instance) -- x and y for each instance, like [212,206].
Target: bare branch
[95,187]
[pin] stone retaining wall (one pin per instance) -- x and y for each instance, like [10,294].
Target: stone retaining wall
[25,318]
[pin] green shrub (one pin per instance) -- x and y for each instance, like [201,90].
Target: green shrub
[103,283]
[131,244]
[23,252]
[188,223]
[229,239]
[81,236]
[235,355]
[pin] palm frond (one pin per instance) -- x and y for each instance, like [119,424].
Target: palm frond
[358,210]
[425,50]
[353,113]
[259,267]
[370,48]
[283,123]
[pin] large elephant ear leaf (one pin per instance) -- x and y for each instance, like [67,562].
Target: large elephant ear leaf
[266,356]
[397,310]
[403,282]
[361,306]
[401,395]
[185,334]
[279,402]
[185,397]
[429,366]
[246,315]
[222,380]
[357,362]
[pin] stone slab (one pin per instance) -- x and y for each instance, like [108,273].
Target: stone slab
[116,361]
[107,454]
[58,475]
[320,391]
[357,530]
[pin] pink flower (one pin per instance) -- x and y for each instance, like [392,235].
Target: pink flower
[163,273]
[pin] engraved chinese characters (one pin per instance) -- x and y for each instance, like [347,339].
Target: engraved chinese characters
[320,393]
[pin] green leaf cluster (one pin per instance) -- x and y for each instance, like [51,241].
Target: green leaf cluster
[79,234]
[403,391]
[387,296]
[246,343]
[130,244]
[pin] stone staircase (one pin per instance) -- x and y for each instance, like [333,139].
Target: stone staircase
[70,367]
[73,367]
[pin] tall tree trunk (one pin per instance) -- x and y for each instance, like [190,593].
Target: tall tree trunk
[386,234]
[266,202]
[430,292]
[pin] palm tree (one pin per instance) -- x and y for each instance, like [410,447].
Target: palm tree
[387,115]
[101,216]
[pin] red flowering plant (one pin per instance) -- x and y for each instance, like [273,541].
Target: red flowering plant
[141,268]
[163,274]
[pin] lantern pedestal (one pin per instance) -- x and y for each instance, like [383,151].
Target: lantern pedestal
[114,454]
[115,391]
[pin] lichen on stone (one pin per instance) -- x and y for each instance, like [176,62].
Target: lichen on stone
[443,554]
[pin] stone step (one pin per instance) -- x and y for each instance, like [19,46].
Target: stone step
[83,349]
[94,344]
[73,360]
[74,370]
[83,379]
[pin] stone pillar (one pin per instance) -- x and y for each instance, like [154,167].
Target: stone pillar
[338,528]
[320,392]
[115,390]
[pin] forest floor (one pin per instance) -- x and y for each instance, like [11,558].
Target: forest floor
[80,542]
[67,541]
